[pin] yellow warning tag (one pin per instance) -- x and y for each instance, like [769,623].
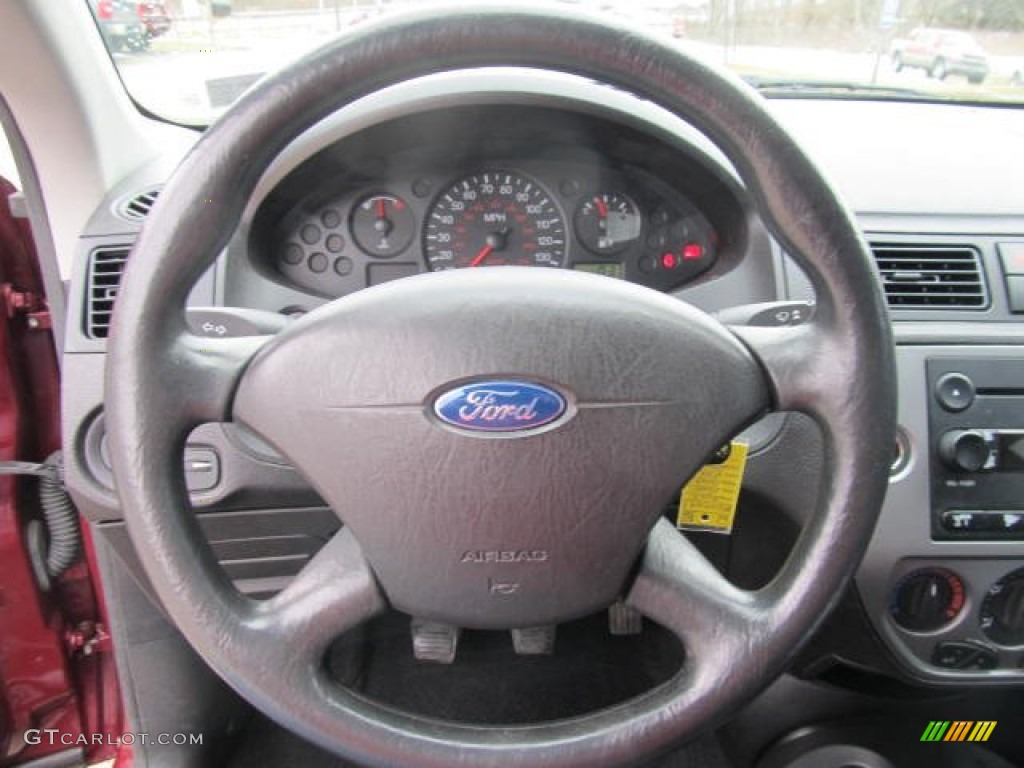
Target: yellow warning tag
[708,502]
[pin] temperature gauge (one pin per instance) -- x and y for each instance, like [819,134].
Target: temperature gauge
[606,223]
[383,225]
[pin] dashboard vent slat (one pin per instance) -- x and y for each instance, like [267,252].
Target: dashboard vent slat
[106,266]
[931,276]
[138,206]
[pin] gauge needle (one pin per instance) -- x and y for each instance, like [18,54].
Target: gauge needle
[602,207]
[496,241]
[484,253]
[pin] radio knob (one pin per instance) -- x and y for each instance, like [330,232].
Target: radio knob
[964,450]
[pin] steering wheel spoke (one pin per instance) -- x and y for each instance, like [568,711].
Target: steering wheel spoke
[678,588]
[334,593]
[203,374]
[785,355]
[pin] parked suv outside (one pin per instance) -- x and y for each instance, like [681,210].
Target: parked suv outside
[941,52]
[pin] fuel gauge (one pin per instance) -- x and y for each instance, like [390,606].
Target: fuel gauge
[606,223]
[383,225]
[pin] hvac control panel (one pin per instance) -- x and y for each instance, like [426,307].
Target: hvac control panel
[976,427]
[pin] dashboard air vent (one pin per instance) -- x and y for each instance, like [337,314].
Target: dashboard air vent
[106,265]
[931,276]
[137,207]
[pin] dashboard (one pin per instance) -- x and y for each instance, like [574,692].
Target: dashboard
[490,169]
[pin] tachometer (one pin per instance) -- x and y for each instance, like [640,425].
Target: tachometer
[494,218]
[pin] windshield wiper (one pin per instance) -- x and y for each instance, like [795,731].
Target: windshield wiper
[824,88]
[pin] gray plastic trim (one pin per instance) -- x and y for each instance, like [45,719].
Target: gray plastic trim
[902,539]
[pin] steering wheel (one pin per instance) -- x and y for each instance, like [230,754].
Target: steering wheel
[563,508]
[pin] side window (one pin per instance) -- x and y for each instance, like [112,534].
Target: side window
[7,167]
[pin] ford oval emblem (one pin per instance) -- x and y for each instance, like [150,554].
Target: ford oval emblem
[499,406]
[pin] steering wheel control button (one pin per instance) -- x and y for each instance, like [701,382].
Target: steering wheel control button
[966,656]
[927,599]
[534,641]
[434,642]
[955,392]
[500,406]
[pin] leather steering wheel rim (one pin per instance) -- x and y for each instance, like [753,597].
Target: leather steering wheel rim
[162,382]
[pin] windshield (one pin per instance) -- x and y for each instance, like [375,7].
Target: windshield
[187,60]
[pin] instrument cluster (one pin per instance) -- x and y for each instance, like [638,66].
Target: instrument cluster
[617,223]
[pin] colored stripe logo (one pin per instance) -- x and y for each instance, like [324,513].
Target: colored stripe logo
[958,730]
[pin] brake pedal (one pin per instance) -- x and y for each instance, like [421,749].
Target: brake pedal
[534,641]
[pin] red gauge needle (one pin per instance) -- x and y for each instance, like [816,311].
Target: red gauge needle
[602,207]
[484,253]
[382,208]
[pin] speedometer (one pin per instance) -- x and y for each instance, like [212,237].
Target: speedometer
[494,218]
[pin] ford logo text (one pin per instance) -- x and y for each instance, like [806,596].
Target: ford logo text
[499,406]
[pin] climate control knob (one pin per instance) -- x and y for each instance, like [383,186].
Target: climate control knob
[1002,610]
[964,450]
[927,599]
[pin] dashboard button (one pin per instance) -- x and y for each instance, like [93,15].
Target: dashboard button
[967,656]
[343,266]
[318,263]
[965,450]
[982,660]
[1015,292]
[1012,255]
[294,254]
[310,234]
[1006,522]
[955,392]
[961,521]
[952,655]
[330,218]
